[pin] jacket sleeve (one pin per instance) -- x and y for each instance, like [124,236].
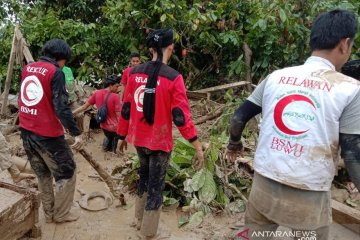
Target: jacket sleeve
[180,110]
[60,102]
[123,125]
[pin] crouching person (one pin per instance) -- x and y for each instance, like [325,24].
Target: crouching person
[44,110]
[155,95]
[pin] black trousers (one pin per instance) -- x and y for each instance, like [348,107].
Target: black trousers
[49,155]
[153,165]
[110,141]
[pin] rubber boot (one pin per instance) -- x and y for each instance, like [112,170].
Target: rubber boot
[47,197]
[139,210]
[150,223]
[17,176]
[64,197]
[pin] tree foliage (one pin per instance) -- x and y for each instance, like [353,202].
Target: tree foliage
[209,34]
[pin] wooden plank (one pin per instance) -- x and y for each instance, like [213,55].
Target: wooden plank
[346,216]
[9,73]
[25,50]
[223,87]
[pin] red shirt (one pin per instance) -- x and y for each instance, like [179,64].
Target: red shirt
[125,75]
[37,112]
[170,95]
[113,107]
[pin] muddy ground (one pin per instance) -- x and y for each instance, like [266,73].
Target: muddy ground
[114,223]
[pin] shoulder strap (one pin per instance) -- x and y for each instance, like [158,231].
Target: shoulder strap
[107,97]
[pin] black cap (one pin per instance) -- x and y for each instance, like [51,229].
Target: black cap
[160,38]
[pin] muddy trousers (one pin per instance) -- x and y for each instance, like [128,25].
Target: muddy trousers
[153,165]
[110,141]
[52,158]
[260,226]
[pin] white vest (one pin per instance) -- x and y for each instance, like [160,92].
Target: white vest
[299,135]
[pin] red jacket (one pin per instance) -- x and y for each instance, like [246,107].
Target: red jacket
[171,103]
[37,113]
[125,75]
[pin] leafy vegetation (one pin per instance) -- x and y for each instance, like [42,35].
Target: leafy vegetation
[210,34]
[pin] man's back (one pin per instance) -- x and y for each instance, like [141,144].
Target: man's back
[113,107]
[302,109]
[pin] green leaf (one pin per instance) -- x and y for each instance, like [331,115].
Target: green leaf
[262,24]
[163,18]
[207,193]
[187,186]
[196,219]
[351,203]
[183,220]
[282,15]
[198,180]
[237,206]
[169,201]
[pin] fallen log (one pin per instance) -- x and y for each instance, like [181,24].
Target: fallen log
[210,116]
[105,176]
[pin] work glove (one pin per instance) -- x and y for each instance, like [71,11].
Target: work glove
[78,143]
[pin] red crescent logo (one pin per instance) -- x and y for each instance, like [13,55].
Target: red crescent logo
[279,109]
[25,88]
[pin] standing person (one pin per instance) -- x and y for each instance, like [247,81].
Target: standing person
[352,162]
[303,108]
[99,97]
[134,61]
[70,84]
[6,164]
[155,95]
[44,110]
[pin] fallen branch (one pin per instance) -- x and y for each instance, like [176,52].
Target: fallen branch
[210,116]
[105,176]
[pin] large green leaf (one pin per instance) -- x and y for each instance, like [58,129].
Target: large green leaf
[207,192]
[196,219]
[198,180]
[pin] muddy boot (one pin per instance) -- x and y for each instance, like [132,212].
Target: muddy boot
[150,223]
[47,197]
[139,210]
[64,197]
[17,176]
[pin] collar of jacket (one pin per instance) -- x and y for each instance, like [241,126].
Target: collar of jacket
[50,60]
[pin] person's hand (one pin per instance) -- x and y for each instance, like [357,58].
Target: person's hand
[122,146]
[233,151]
[78,143]
[198,161]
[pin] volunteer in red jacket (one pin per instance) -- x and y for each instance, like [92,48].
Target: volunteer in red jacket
[134,61]
[155,95]
[44,110]
[109,95]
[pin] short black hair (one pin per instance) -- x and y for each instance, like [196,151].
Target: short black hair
[352,69]
[134,54]
[330,28]
[56,49]
[111,80]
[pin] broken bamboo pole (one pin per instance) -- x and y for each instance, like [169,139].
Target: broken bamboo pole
[105,176]
[9,72]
